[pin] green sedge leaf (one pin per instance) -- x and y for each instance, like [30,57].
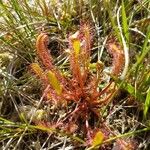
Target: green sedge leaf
[54,82]
[98,139]
[147,103]
[125,22]
[128,87]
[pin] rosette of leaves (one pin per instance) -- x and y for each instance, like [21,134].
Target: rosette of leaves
[80,88]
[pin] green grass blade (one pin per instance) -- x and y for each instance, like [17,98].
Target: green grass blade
[125,22]
[147,103]
[112,19]
[145,50]
[131,90]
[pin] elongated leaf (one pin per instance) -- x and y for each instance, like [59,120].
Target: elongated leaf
[112,18]
[54,82]
[128,87]
[76,47]
[145,50]
[147,103]
[125,22]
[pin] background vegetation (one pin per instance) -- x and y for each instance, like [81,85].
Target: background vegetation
[127,115]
